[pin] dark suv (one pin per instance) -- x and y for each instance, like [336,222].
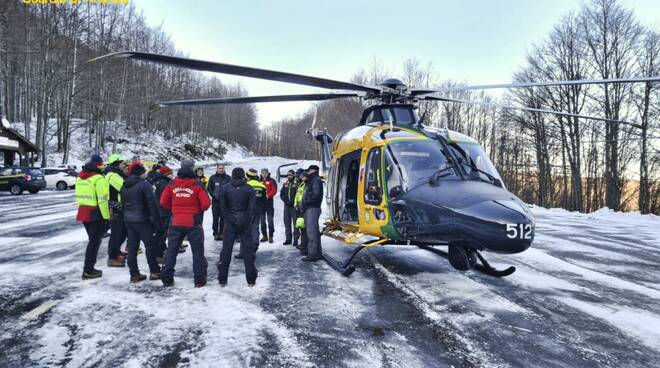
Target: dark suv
[16,179]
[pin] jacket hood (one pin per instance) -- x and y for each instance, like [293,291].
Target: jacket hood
[237,182]
[184,182]
[186,173]
[89,170]
[114,167]
[132,180]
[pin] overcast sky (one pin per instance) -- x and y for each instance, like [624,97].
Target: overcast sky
[476,41]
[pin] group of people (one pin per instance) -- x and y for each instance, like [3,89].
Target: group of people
[161,210]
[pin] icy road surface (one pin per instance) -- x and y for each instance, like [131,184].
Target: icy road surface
[587,294]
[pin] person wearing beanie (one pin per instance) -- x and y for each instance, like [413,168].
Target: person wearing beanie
[115,173]
[311,207]
[269,209]
[188,164]
[216,182]
[288,195]
[93,212]
[260,203]
[155,169]
[187,199]
[97,161]
[162,179]
[238,201]
[142,220]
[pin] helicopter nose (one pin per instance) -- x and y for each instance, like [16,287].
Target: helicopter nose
[502,226]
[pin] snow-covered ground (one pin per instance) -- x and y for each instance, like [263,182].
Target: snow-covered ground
[587,294]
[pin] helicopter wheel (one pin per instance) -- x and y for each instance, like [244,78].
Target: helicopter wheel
[462,258]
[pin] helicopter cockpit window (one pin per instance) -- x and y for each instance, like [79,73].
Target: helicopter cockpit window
[373,191]
[480,159]
[418,160]
[403,116]
[393,180]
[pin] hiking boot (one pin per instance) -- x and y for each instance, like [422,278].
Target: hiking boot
[154,276]
[137,278]
[238,256]
[310,259]
[263,239]
[116,262]
[94,274]
[217,236]
[201,283]
[270,239]
[167,283]
[287,242]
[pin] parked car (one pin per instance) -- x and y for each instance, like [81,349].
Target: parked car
[60,178]
[17,179]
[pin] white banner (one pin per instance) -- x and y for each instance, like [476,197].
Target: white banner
[4,141]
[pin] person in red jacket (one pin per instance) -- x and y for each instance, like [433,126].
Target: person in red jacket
[187,199]
[269,210]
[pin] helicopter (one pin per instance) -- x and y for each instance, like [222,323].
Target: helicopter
[394,180]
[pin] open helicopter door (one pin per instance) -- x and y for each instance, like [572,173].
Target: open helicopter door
[279,174]
[374,217]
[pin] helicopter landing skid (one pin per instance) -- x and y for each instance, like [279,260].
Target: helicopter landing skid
[345,268]
[483,267]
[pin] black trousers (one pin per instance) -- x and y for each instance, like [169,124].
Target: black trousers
[303,233]
[218,220]
[248,251]
[141,232]
[290,228]
[161,236]
[195,236]
[118,235]
[95,231]
[269,212]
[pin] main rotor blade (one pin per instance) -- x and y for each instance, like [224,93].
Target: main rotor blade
[244,71]
[417,92]
[530,109]
[257,99]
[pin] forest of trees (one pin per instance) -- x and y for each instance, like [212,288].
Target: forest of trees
[45,79]
[548,160]
[552,161]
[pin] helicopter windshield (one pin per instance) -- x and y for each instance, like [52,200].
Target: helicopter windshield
[416,161]
[479,159]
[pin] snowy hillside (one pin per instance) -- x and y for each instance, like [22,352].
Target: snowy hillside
[145,146]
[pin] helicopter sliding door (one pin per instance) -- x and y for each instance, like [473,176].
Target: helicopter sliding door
[347,187]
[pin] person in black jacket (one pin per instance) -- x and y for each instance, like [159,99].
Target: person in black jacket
[153,173]
[161,180]
[216,182]
[142,219]
[237,201]
[311,206]
[288,196]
